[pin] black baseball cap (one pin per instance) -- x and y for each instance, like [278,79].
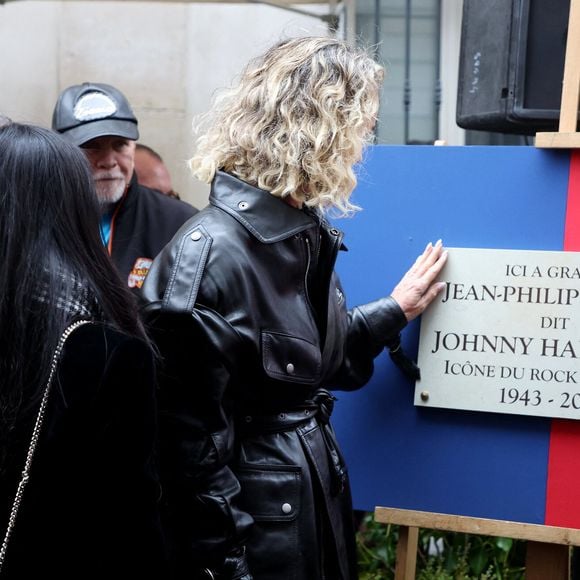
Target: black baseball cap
[91,110]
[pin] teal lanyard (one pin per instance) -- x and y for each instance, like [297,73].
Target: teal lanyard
[105,227]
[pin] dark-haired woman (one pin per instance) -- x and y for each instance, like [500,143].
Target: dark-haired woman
[89,509]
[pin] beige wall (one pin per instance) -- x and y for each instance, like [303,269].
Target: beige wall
[168,58]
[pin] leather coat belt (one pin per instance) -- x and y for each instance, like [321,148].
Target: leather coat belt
[320,407]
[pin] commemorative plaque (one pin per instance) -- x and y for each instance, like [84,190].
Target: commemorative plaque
[504,335]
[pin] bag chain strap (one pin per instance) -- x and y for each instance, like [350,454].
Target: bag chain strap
[35,434]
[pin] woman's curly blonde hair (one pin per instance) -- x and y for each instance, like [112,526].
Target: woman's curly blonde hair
[296,123]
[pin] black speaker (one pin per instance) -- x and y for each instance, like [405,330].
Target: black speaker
[511,65]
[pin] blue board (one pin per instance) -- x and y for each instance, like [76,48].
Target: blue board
[455,462]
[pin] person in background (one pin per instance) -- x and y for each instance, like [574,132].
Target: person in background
[151,170]
[136,222]
[253,326]
[90,508]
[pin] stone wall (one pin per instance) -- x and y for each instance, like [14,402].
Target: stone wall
[168,58]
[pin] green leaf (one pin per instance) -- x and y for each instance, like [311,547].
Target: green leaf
[478,561]
[504,544]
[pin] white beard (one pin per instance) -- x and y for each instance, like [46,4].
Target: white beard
[110,191]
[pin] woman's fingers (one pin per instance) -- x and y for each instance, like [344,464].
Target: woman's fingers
[417,289]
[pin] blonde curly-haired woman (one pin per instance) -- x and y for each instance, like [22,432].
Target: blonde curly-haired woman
[253,326]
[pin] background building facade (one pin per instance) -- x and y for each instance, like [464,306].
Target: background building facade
[169,58]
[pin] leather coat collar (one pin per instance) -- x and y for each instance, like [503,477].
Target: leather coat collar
[267,217]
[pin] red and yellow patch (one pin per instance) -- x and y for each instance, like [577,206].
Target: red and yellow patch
[139,271]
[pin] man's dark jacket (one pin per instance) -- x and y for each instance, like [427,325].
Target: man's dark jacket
[143,222]
[251,321]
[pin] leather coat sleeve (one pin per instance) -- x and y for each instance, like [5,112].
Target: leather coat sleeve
[370,328]
[205,529]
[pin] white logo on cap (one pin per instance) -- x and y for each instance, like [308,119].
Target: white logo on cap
[93,106]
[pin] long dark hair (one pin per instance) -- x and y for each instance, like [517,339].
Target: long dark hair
[49,248]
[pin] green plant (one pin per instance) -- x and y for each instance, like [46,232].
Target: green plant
[440,555]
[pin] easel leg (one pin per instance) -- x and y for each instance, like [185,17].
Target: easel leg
[547,561]
[407,553]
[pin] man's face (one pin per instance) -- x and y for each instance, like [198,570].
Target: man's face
[112,162]
[151,172]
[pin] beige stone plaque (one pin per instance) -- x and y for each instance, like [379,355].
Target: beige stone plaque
[504,336]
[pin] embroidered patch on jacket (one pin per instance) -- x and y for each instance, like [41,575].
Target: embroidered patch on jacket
[139,271]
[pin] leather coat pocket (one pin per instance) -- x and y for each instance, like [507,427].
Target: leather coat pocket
[271,495]
[270,492]
[291,359]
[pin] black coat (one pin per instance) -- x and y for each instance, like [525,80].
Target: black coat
[143,222]
[90,509]
[252,321]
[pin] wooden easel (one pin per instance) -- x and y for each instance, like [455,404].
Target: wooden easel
[548,547]
[547,556]
[567,136]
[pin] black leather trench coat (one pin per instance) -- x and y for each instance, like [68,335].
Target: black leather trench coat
[252,324]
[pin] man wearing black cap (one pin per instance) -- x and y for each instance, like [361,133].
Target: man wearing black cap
[136,221]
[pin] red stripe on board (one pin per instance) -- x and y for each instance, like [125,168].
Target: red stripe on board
[572,229]
[563,493]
